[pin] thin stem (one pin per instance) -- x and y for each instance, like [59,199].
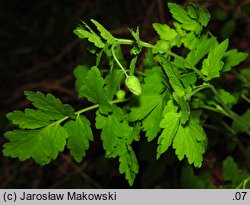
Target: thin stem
[90,108]
[230,113]
[197,89]
[148,45]
[213,109]
[117,61]
[245,98]
[243,184]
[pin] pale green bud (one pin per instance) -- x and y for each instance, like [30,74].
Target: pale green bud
[120,94]
[133,85]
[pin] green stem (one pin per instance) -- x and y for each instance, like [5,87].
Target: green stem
[196,90]
[148,45]
[213,109]
[245,98]
[230,113]
[117,61]
[243,184]
[90,108]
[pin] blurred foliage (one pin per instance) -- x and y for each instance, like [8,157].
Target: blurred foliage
[38,49]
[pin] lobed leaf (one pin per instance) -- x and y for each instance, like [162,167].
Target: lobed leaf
[129,165]
[104,33]
[233,58]
[92,89]
[189,142]
[170,123]
[213,64]
[43,145]
[50,105]
[182,16]
[92,37]
[201,48]
[80,134]
[150,104]
[29,119]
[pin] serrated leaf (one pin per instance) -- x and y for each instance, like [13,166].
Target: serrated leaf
[50,105]
[150,103]
[92,88]
[92,37]
[117,137]
[170,123]
[151,123]
[189,142]
[104,33]
[80,134]
[213,64]
[43,145]
[182,16]
[165,32]
[233,58]
[115,128]
[174,76]
[29,119]
[129,165]
[201,48]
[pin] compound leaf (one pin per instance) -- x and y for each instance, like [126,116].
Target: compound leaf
[80,133]
[43,145]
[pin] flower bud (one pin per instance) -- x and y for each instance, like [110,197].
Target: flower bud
[120,94]
[133,85]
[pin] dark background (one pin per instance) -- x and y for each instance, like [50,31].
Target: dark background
[38,51]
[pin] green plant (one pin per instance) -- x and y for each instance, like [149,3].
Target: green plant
[233,177]
[167,100]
